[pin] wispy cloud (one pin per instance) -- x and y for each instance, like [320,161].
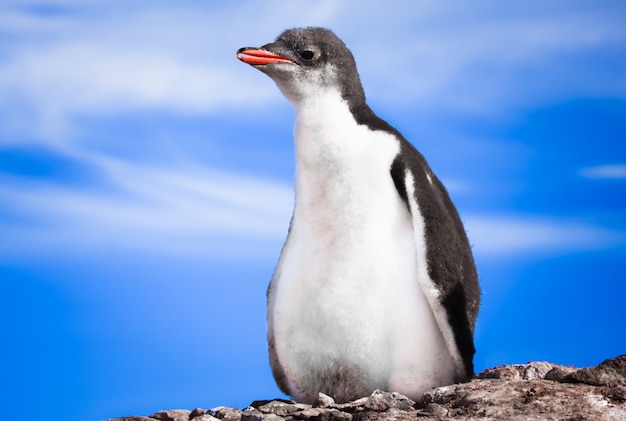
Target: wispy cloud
[105,60]
[496,236]
[113,65]
[68,60]
[51,86]
[487,58]
[614,171]
[125,61]
[188,211]
[201,212]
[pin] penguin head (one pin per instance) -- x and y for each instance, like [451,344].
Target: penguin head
[306,62]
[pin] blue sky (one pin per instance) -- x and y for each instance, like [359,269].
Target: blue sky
[146,184]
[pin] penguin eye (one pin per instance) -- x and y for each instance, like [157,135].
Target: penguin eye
[307,55]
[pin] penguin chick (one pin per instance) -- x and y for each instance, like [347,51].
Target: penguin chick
[376,286]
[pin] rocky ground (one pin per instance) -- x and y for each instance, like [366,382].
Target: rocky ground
[533,391]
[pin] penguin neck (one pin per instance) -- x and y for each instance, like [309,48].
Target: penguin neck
[334,153]
[322,126]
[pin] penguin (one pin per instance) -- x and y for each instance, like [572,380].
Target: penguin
[376,286]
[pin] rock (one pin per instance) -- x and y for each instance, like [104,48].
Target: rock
[501,372]
[197,413]
[280,407]
[382,401]
[559,373]
[528,371]
[435,410]
[536,371]
[205,417]
[324,401]
[226,414]
[172,415]
[617,394]
[609,373]
[536,390]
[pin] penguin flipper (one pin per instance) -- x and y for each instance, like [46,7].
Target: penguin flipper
[448,275]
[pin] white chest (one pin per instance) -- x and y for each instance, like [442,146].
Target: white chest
[346,289]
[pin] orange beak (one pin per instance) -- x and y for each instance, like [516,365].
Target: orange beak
[255,56]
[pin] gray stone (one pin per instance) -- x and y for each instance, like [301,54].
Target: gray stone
[504,372]
[251,414]
[324,401]
[610,373]
[559,373]
[225,413]
[172,415]
[281,408]
[196,413]
[536,390]
[536,370]
[204,417]
[323,414]
[501,394]
[382,401]
[435,410]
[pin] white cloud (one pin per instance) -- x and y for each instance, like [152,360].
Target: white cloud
[617,172]
[53,85]
[107,59]
[495,236]
[492,57]
[104,58]
[190,211]
[204,213]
